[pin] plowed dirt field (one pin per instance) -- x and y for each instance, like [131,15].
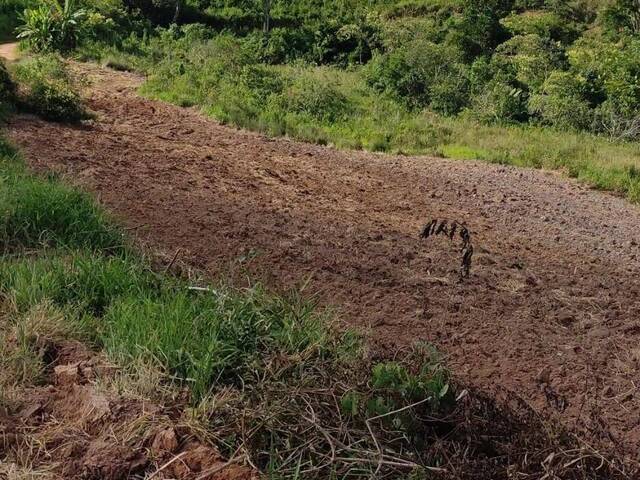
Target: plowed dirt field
[550,313]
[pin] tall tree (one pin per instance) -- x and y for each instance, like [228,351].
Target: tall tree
[177,11]
[266,16]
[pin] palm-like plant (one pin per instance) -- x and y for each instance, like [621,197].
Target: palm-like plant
[52,25]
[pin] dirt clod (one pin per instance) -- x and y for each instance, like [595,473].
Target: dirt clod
[68,374]
[165,441]
[83,433]
[443,228]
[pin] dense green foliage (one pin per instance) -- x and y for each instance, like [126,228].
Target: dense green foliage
[10,11]
[52,25]
[457,78]
[571,65]
[41,212]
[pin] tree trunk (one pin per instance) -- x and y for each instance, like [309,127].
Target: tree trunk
[177,12]
[266,16]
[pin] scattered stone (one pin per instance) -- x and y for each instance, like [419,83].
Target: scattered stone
[165,441]
[88,403]
[30,411]
[108,461]
[532,280]
[197,459]
[566,319]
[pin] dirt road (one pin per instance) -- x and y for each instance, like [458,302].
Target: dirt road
[9,51]
[551,312]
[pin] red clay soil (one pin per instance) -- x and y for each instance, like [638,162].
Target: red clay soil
[70,428]
[551,312]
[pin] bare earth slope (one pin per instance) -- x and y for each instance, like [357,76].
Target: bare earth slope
[551,312]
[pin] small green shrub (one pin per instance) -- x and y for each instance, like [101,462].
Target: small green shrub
[531,57]
[561,102]
[609,71]
[55,101]
[621,17]
[316,96]
[499,103]
[46,89]
[450,94]
[40,68]
[546,24]
[420,74]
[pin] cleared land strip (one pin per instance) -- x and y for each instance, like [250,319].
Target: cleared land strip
[551,312]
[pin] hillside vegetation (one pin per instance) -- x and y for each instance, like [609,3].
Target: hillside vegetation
[541,83]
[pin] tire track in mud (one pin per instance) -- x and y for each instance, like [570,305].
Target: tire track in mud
[551,311]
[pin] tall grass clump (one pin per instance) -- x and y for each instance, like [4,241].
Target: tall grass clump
[51,24]
[82,279]
[42,212]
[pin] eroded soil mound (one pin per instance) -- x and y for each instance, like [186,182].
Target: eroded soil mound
[550,313]
[76,425]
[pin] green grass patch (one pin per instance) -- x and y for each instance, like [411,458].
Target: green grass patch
[463,152]
[42,212]
[593,160]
